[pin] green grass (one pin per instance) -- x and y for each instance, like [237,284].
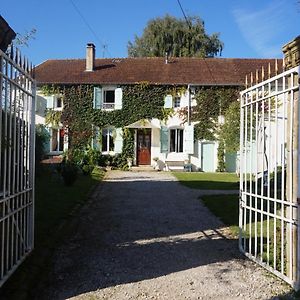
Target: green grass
[226,208]
[208,181]
[55,205]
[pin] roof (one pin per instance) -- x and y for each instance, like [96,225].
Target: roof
[178,71]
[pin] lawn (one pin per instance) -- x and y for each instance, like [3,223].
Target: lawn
[226,208]
[55,205]
[208,181]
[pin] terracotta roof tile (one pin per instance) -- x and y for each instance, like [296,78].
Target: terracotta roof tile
[208,71]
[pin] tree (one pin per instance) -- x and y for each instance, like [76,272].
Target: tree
[177,37]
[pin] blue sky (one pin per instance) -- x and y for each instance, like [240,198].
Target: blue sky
[256,28]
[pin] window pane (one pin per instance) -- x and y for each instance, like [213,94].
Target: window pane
[104,140]
[177,102]
[111,140]
[172,140]
[179,140]
[109,97]
[61,139]
[54,140]
[58,102]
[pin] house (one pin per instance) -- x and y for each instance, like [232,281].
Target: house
[171,141]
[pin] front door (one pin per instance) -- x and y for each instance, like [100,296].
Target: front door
[208,157]
[144,146]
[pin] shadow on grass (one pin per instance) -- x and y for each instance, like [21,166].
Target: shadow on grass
[55,204]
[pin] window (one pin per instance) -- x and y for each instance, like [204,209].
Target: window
[176,102]
[109,99]
[57,140]
[59,102]
[107,140]
[176,140]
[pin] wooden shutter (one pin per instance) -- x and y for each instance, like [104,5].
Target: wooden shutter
[188,139]
[50,101]
[97,100]
[168,101]
[118,98]
[164,139]
[118,140]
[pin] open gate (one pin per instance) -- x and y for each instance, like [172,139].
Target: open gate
[269,168]
[16,161]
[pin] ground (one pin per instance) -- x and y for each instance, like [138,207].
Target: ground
[145,236]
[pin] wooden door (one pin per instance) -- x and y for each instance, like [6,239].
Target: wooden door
[144,146]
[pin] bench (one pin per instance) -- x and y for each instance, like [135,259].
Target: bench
[178,165]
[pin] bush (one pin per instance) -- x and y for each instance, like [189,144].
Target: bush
[69,172]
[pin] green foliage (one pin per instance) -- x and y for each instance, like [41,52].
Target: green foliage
[211,102]
[41,138]
[177,37]
[69,172]
[221,157]
[145,100]
[53,117]
[230,132]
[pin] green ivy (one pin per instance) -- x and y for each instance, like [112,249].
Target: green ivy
[211,102]
[53,117]
[140,101]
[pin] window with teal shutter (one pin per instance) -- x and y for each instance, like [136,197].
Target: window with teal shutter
[189,139]
[164,139]
[118,140]
[168,101]
[97,100]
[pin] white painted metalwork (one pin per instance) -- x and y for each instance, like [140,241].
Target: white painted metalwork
[16,161]
[269,214]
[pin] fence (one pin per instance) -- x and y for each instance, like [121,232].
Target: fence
[269,175]
[16,161]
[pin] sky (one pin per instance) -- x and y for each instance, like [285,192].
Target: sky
[254,29]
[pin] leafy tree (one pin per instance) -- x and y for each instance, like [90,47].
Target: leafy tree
[177,37]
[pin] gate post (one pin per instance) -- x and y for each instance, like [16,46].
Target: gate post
[292,59]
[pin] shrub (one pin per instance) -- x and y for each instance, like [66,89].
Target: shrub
[69,172]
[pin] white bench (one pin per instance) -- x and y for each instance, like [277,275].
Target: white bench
[175,165]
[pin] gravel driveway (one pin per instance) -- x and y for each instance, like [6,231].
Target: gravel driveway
[144,236]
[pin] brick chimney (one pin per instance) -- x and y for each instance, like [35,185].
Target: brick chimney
[90,57]
[291,53]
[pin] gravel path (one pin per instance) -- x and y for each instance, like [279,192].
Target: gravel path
[144,236]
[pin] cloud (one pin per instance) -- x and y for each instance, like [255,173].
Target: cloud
[264,28]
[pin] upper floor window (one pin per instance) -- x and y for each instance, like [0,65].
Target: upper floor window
[107,98]
[176,140]
[59,102]
[176,102]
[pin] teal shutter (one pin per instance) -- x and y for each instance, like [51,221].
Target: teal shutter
[97,100]
[118,140]
[188,139]
[50,101]
[164,139]
[118,98]
[168,101]
[96,144]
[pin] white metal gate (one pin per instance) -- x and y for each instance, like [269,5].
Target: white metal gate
[16,161]
[269,171]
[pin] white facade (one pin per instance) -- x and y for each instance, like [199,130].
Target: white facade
[170,144]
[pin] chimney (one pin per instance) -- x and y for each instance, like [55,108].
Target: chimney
[90,57]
